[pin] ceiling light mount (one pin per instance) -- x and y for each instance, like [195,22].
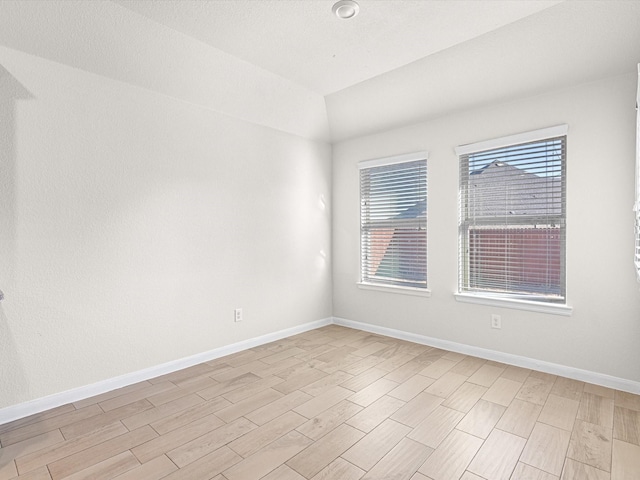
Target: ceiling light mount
[345,9]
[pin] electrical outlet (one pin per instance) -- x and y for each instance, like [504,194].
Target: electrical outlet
[237,315]
[496,321]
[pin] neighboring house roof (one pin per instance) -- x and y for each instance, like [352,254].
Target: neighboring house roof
[414,211]
[400,266]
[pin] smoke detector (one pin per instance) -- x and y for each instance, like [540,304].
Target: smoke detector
[345,9]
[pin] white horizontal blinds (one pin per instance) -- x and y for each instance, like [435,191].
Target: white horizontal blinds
[637,203]
[512,220]
[393,223]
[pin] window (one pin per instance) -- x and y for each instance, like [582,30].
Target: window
[512,217]
[393,221]
[636,206]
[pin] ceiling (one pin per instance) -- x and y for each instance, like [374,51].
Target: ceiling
[292,66]
[302,41]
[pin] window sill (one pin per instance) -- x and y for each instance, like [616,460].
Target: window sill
[420,292]
[550,308]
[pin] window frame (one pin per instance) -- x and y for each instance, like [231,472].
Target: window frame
[392,287]
[636,205]
[514,299]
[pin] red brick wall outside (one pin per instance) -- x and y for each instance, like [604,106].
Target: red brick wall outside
[533,256]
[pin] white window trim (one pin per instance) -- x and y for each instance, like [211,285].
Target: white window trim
[419,292]
[539,307]
[503,301]
[525,137]
[636,206]
[407,157]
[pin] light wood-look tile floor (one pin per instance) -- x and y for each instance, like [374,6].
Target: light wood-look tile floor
[336,403]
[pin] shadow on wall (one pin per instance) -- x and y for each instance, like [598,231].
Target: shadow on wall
[11,92]
[13,383]
[12,379]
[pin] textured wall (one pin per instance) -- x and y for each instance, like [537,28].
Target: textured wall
[603,333]
[134,223]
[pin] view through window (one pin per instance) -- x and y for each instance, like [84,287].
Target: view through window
[512,220]
[393,221]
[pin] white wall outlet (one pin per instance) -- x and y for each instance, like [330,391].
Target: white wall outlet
[496,321]
[237,315]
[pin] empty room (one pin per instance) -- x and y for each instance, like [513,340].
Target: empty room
[319,239]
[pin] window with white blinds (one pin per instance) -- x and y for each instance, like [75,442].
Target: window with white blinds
[393,221]
[513,216]
[636,206]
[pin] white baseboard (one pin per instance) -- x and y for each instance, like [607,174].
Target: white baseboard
[38,405]
[508,358]
[15,412]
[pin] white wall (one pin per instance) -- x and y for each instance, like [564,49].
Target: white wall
[134,223]
[603,333]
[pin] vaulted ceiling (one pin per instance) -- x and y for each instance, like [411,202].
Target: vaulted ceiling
[302,40]
[293,66]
